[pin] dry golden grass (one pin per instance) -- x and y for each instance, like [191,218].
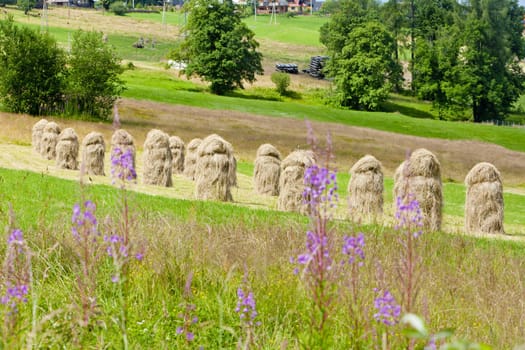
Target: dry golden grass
[98,20]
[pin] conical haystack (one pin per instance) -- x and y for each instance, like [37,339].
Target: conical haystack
[49,140]
[419,177]
[484,200]
[267,170]
[190,159]
[36,134]
[93,152]
[177,154]
[365,190]
[123,141]
[291,182]
[216,169]
[67,149]
[157,159]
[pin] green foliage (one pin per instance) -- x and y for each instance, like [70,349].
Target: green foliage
[31,70]
[365,69]
[94,70]
[118,8]
[348,14]
[219,47]
[26,5]
[281,81]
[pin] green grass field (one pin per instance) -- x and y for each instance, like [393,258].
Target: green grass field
[218,244]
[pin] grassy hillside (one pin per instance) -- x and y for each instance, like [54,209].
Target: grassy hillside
[150,85]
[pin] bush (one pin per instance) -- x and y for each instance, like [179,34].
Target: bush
[281,81]
[93,83]
[118,8]
[31,70]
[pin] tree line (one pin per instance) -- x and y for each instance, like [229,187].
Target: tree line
[38,77]
[463,56]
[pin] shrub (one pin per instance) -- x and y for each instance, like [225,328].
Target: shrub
[93,82]
[118,8]
[31,70]
[281,81]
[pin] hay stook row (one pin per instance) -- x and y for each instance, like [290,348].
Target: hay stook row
[211,164]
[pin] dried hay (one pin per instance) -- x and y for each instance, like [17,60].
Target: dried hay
[67,150]
[267,170]
[291,182]
[420,178]
[177,154]
[157,159]
[190,160]
[36,134]
[365,190]
[49,140]
[94,150]
[484,201]
[215,170]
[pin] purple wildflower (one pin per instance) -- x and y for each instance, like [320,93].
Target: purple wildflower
[320,187]
[84,222]
[408,216]
[388,311]
[353,247]
[122,165]
[16,272]
[246,306]
[16,236]
[190,336]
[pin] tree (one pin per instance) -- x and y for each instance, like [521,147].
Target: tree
[487,78]
[26,5]
[219,47]
[93,82]
[365,70]
[348,15]
[31,70]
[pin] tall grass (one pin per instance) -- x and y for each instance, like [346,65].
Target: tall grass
[467,283]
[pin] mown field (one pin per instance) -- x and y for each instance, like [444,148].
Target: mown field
[472,284]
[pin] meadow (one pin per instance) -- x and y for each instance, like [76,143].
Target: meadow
[177,285]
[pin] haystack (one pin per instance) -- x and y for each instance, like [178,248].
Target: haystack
[67,149]
[36,134]
[291,182]
[177,154]
[419,177]
[49,140]
[484,200]
[215,170]
[93,151]
[122,140]
[365,190]
[157,159]
[267,170]
[190,160]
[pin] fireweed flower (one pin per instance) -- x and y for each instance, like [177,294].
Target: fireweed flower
[84,221]
[187,316]
[246,307]
[320,187]
[388,311]
[353,248]
[408,216]
[16,272]
[122,167]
